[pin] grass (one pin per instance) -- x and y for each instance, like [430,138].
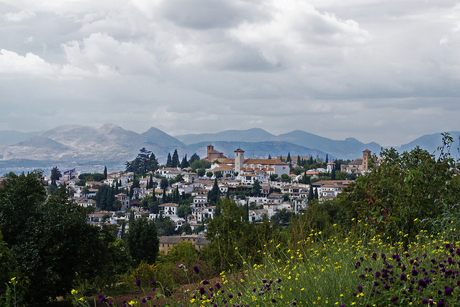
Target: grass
[357,270]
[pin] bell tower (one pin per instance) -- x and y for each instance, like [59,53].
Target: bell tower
[239,160]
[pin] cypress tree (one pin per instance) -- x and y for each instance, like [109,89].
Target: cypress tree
[175,159]
[168,161]
[310,193]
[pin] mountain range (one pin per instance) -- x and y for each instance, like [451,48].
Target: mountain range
[91,148]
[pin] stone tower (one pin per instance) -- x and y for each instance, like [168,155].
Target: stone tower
[239,160]
[366,157]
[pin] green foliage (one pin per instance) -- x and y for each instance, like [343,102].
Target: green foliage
[184,210]
[90,177]
[403,188]
[175,159]
[144,162]
[164,183]
[7,265]
[273,177]
[193,158]
[285,178]
[55,175]
[105,198]
[201,172]
[282,217]
[142,240]
[197,164]
[50,240]
[214,194]
[256,188]
[184,252]
[231,236]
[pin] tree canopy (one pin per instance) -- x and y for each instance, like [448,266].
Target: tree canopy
[50,238]
[142,240]
[403,190]
[144,162]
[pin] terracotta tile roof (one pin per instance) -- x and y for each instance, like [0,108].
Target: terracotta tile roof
[265,162]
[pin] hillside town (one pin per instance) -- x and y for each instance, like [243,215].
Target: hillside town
[180,197]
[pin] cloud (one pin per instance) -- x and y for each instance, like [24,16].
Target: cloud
[105,55]
[22,15]
[13,64]
[295,30]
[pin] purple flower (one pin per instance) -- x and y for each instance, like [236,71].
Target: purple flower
[205,282]
[202,291]
[386,287]
[196,269]
[360,288]
[153,282]
[138,282]
[394,299]
[230,296]
[448,291]
[273,300]
[422,283]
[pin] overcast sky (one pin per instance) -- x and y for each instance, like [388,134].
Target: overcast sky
[378,70]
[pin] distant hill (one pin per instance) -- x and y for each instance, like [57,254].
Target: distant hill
[92,148]
[10,137]
[250,135]
[431,142]
[346,149]
[350,148]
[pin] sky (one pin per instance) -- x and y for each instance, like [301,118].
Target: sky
[386,71]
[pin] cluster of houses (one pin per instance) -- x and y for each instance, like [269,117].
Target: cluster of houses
[236,174]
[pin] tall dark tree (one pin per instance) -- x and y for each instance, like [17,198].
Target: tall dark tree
[105,172]
[184,162]
[214,194]
[168,160]
[55,175]
[333,174]
[256,188]
[288,159]
[327,158]
[142,240]
[175,159]
[194,158]
[311,196]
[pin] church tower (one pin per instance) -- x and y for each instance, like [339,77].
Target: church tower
[366,156]
[239,160]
